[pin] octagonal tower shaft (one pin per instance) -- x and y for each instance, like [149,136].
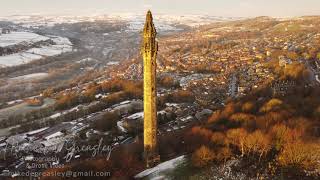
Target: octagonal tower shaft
[149,52]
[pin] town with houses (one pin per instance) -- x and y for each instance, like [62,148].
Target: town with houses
[207,65]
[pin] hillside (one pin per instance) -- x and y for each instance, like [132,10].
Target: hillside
[240,93]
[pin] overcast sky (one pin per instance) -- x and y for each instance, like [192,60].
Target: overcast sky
[238,8]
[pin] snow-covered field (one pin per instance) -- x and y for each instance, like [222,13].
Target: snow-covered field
[169,22]
[50,50]
[17,59]
[112,63]
[62,45]
[160,171]
[35,21]
[30,77]
[14,38]
[163,22]
[89,59]
[138,23]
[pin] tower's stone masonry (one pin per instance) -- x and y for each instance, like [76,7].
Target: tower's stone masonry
[149,52]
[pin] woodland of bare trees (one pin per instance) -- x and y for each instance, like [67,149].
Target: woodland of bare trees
[277,132]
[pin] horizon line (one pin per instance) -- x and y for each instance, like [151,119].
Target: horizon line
[133,13]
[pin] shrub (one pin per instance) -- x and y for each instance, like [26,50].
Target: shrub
[167,82]
[196,137]
[281,135]
[297,71]
[115,98]
[270,119]
[133,89]
[245,120]
[272,105]
[223,154]
[48,92]
[215,117]
[247,107]
[90,93]
[67,100]
[218,138]
[182,96]
[229,110]
[258,143]
[206,133]
[112,85]
[237,137]
[202,156]
[300,155]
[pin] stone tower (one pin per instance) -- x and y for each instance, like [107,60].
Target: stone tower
[149,52]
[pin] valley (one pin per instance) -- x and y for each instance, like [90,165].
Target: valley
[79,80]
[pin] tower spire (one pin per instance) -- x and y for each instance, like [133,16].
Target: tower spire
[149,16]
